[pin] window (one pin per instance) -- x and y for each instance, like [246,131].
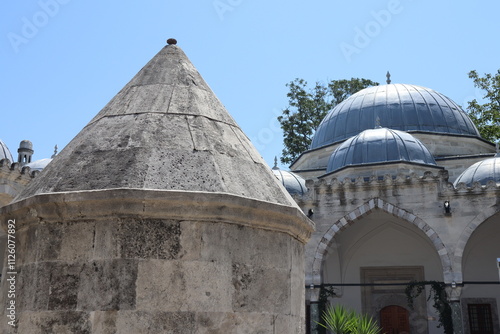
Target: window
[480,320]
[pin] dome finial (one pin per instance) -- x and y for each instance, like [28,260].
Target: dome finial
[171,41]
[377,123]
[276,163]
[388,75]
[55,152]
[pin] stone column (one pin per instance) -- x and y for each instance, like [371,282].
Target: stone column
[314,312]
[456,313]
[454,294]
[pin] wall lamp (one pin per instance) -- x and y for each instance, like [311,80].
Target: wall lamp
[310,213]
[447,208]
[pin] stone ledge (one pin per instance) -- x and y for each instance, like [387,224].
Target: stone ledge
[163,204]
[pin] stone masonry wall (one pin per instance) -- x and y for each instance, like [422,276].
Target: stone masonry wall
[110,272]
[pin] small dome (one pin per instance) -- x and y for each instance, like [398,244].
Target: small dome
[4,152]
[395,106]
[482,172]
[379,145]
[26,144]
[39,164]
[293,183]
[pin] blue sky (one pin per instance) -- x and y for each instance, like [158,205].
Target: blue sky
[62,60]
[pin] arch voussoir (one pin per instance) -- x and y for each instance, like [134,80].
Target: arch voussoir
[365,209]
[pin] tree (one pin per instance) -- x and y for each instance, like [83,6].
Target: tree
[486,116]
[306,109]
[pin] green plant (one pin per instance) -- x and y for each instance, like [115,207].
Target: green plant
[441,304]
[341,320]
[366,325]
[325,292]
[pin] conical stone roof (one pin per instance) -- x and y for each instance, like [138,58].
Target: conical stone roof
[164,130]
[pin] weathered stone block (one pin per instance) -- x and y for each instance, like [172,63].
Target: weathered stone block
[184,286]
[255,247]
[60,322]
[64,283]
[240,323]
[270,284]
[26,245]
[153,322]
[77,242]
[48,242]
[137,239]
[149,238]
[104,322]
[191,240]
[108,285]
[297,280]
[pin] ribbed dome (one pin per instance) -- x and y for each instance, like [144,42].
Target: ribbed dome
[379,146]
[482,172]
[293,183]
[395,106]
[4,152]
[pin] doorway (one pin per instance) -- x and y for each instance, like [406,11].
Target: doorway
[394,320]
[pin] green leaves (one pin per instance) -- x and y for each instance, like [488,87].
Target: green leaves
[306,109]
[366,325]
[486,116]
[340,320]
[440,297]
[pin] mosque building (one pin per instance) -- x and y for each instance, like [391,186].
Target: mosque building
[398,186]
[403,188]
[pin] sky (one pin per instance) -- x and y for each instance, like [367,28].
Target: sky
[61,61]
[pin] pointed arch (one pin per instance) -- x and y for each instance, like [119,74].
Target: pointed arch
[363,210]
[486,214]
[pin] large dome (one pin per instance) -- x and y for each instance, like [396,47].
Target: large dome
[396,106]
[379,145]
[482,172]
[4,152]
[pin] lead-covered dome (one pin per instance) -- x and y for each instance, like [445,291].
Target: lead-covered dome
[294,184]
[482,172]
[396,106]
[5,152]
[39,164]
[379,145]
